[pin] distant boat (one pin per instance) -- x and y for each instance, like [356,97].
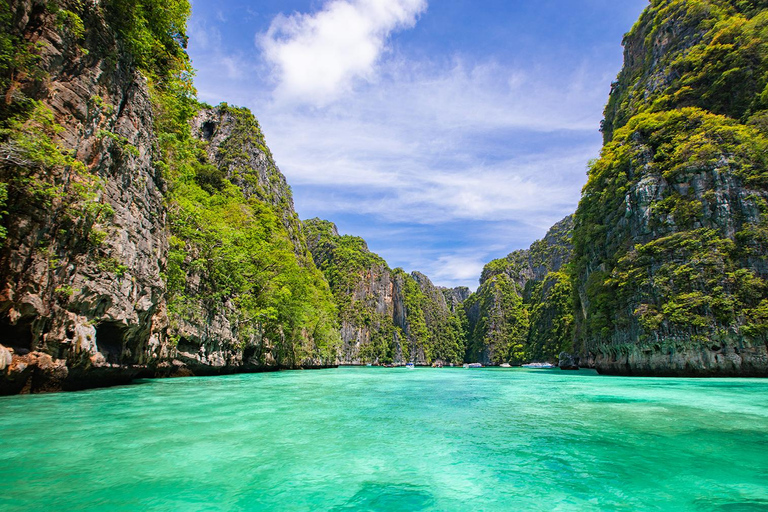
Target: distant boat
[473,365]
[539,366]
[505,365]
[410,366]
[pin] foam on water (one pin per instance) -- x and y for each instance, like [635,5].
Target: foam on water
[391,439]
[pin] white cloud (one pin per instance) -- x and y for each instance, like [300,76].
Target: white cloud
[318,56]
[458,268]
[443,146]
[469,156]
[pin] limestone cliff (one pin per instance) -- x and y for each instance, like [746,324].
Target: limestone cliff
[670,238]
[85,237]
[243,291]
[142,233]
[522,309]
[386,315]
[235,145]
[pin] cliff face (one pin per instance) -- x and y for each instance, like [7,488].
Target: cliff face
[243,291]
[387,316]
[85,235]
[142,234]
[671,231]
[235,146]
[522,309]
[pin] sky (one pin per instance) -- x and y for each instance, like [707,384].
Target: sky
[446,133]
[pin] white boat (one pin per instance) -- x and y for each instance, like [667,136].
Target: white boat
[410,366]
[473,365]
[505,365]
[539,366]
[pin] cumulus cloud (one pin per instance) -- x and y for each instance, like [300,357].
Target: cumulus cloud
[454,144]
[318,56]
[441,162]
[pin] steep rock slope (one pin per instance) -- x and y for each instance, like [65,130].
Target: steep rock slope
[243,291]
[522,309]
[236,148]
[671,232]
[387,316]
[84,237]
[142,233]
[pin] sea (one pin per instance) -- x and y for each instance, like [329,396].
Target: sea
[381,439]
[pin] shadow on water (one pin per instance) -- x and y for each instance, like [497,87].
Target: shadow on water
[380,497]
[758,505]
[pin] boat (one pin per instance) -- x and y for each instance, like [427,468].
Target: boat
[410,366]
[473,365]
[539,366]
[505,365]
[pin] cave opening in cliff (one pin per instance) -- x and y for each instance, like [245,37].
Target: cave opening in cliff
[208,128]
[17,336]
[109,340]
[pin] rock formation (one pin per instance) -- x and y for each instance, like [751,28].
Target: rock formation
[387,316]
[670,237]
[143,233]
[111,265]
[85,224]
[522,309]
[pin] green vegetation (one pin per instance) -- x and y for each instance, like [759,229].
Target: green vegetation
[670,244]
[550,309]
[19,61]
[37,173]
[716,59]
[685,280]
[500,332]
[431,326]
[359,280]
[230,253]
[523,310]
[154,31]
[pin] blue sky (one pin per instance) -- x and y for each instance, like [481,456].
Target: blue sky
[445,132]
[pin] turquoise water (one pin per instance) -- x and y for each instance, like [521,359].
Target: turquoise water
[391,439]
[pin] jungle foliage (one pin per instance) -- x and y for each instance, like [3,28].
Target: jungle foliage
[229,254]
[358,277]
[671,229]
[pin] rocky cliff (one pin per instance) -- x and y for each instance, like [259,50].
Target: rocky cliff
[386,315]
[84,219]
[671,232]
[142,233]
[522,310]
[243,291]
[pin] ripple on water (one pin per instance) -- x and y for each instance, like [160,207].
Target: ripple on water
[386,496]
[373,439]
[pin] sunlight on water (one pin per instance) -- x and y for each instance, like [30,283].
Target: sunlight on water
[379,439]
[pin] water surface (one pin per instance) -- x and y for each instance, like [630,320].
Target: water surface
[391,439]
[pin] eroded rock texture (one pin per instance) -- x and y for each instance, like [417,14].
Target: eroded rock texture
[670,239]
[386,315]
[134,243]
[80,266]
[522,310]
